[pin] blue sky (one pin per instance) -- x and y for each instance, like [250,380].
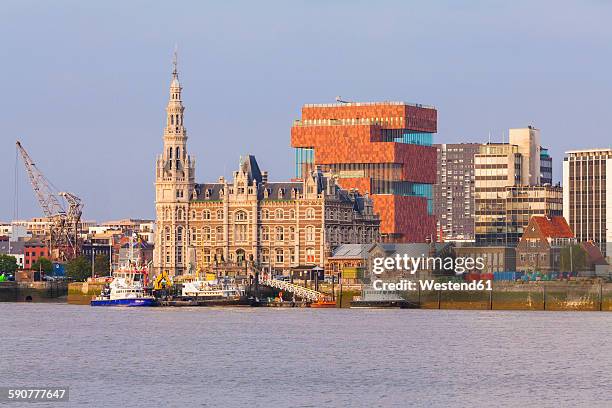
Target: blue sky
[85,83]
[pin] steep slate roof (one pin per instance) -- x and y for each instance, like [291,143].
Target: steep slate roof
[273,190]
[553,227]
[249,165]
[282,190]
[359,251]
[214,188]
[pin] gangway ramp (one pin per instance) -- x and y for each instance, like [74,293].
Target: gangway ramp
[299,291]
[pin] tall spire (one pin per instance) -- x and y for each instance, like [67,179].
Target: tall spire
[175,107]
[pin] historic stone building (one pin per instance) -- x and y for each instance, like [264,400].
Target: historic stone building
[272,225]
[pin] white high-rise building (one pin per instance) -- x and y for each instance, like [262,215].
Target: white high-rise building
[587,196]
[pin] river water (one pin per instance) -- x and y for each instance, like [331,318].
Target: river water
[263,357]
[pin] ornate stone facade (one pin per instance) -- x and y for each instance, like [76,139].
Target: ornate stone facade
[275,225]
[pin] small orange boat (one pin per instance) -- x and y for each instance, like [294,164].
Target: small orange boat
[323,304]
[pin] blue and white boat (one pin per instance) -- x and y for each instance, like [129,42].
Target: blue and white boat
[126,289]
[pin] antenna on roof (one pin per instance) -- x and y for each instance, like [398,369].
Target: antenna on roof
[340,100]
[175,62]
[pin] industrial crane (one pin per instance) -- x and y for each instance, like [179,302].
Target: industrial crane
[63,232]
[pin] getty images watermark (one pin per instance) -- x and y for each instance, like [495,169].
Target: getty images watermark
[34,394]
[405,263]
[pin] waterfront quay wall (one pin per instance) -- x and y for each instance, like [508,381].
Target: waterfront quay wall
[33,291]
[81,293]
[557,296]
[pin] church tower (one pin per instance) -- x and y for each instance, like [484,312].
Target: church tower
[174,186]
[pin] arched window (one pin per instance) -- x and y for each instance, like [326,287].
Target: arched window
[240,215]
[280,256]
[219,214]
[179,214]
[169,152]
[265,214]
[240,232]
[206,234]
[310,255]
[219,234]
[219,254]
[194,235]
[207,256]
[265,233]
[179,234]
[310,233]
[240,256]
[167,231]
[310,213]
[280,214]
[291,234]
[167,214]
[280,234]
[206,215]
[193,214]
[265,255]
[292,214]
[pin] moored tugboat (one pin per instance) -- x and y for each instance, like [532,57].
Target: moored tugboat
[126,289]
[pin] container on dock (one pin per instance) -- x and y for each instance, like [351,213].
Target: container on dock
[510,276]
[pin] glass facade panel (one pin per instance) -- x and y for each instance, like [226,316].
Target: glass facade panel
[407,136]
[304,160]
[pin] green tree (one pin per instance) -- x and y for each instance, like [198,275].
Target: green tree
[43,264]
[573,258]
[101,265]
[8,264]
[78,269]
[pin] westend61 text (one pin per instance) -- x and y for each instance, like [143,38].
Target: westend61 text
[408,285]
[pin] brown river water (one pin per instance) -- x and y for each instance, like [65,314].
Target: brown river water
[268,357]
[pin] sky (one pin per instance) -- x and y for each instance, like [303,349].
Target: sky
[85,84]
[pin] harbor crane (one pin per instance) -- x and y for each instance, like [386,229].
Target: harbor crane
[62,233]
